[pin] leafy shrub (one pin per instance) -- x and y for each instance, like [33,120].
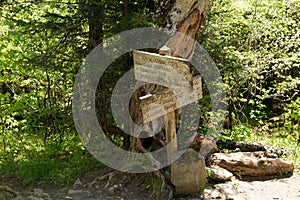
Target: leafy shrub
[255,44]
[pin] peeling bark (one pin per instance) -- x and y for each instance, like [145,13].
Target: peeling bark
[182,43]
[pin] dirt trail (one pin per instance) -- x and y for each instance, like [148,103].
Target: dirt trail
[278,188]
[128,187]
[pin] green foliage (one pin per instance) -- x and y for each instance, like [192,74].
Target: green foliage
[292,117]
[42,45]
[205,185]
[281,138]
[255,44]
[276,137]
[52,163]
[36,69]
[156,183]
[241,133]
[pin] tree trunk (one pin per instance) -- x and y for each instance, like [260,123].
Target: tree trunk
[96,17]
[95,20]
[183,18]
[126,9]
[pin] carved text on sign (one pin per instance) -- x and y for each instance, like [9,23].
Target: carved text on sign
[161,103]
[162,70]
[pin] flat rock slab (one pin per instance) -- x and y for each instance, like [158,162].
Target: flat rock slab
[252,163]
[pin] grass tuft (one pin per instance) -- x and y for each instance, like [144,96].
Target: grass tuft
[54,163]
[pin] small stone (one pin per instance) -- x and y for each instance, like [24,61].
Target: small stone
[74,192]
[88,194]
[77,183]
[64,190]
[229,190]
[216,194]
[218,173]
[39,194]
[222,191]
[19,198]
[7,193]
[112,189]
[32,197]
[168,175]
[203,144]
[69,198]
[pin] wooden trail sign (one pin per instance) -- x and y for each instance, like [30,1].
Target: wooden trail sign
[173,73]
[162,70]
[182,89]
[161,103]
[183,18]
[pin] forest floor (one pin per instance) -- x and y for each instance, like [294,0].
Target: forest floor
[140,187]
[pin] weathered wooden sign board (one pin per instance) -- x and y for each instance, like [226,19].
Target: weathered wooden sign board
[161,103]
[174,73]
[162,70]
[182,89]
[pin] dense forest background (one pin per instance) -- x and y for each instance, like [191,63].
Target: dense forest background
[255,44]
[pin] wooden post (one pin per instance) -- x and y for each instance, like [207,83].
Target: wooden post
[170,126]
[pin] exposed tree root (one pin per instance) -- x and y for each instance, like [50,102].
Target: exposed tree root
[167,190]
[108,176]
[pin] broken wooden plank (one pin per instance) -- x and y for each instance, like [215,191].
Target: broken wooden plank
[159,104]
